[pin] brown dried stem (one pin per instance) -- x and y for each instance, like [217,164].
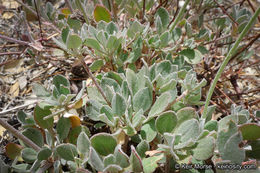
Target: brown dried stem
[226,13]
[19,135]
[95,82]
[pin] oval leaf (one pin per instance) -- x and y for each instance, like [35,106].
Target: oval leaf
[67,151]
[44,154]
[35,135]
[185,114]
[63,128]
[142,100]
[166,122]
[160,104]
[83,143]
[29,155]
[73,41]
[101,13]
[103,143]
[148,131]
[13,150]
[135,161]
[118,105]
[39,114]
[250,131]
[204,149]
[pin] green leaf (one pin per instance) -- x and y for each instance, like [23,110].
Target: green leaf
[64,34]
[39,114]
[205,148]
[63,128]
[176,34]
[96,65]
[255,152]
[210,112]
[188,130]
[118,105]
[83,143]
[29,155]
[111,83]
[73,41]
[40,91]
[60,81]
[160,104]
[25,119]
[164,68]
[135,160]
[111,28]
[35,135]
[74,24]
[211,125]
[60,43]
[250,131]
[112,168]
[185,114]
[168,86]
[103,143]
[164,38]
[158,24]
[121,158]
[150,163]
[112,43]
[142,100]
[101,13]
[132,81]
[142,147]
[108,112]
[148,131]
[134,28]
[93,108]
[44,153]
[164,16]
[67,151]
[166,122]
[224,135]
[74,133]
[138,119]
[191,56]
[232,151]
[95,160]
[109,159]
[93,43]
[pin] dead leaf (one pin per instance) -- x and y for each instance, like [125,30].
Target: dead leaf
[14,66]
[121,138]
[2,130]
[153,152]
[7,15]
[10,4]
[14,90]
[22,82]
[75,121]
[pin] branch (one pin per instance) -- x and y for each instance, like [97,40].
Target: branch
[226,13]
[95,82]
[19,135]
[34,13]
[14,40]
